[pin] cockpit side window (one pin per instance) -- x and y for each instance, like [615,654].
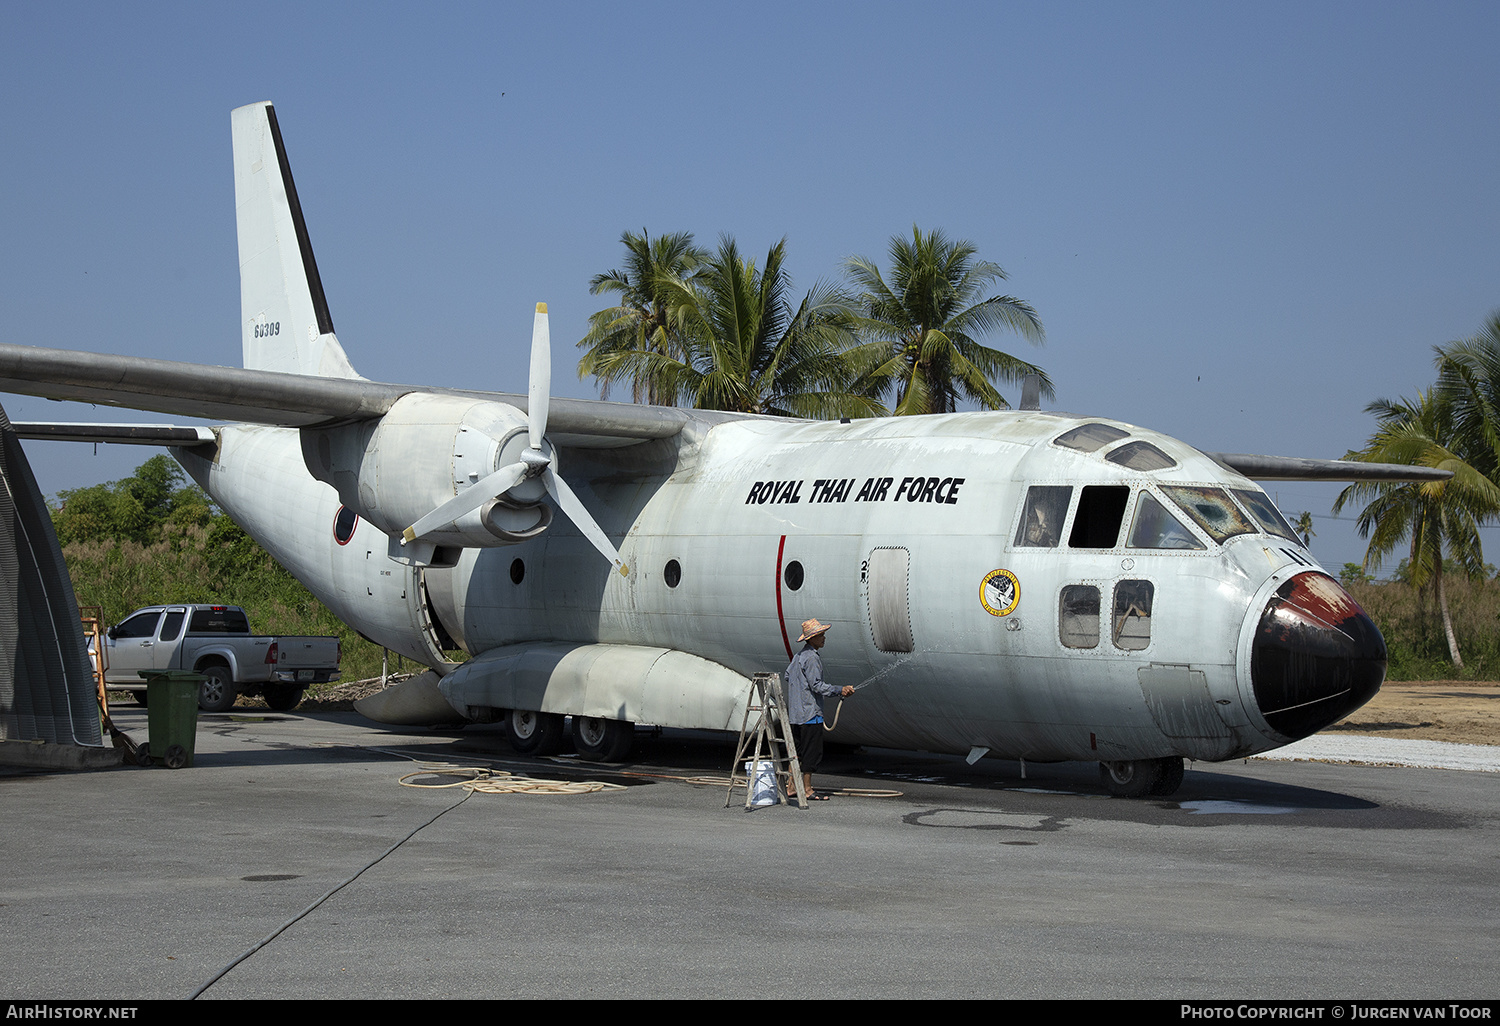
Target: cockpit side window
[1141,456]
[1264,510]
[1042,520]
[1101,510]
[1213,510]
[1155,528]
[1090,437]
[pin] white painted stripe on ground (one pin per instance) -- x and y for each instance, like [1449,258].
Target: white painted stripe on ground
[1384,751]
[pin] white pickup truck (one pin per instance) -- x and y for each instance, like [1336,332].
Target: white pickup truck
[216,642]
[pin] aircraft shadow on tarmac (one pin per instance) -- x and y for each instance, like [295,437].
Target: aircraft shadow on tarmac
[1050,794]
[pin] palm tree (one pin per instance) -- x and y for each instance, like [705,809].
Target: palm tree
[922,327]
[1469,378]
[1304,527]
[1439,519]
[751,351]
[628,342]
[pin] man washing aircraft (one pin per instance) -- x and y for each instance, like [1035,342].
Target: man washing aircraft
[806,690]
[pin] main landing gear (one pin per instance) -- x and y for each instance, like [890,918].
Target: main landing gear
[594,738]
[1141,778]
[534,733]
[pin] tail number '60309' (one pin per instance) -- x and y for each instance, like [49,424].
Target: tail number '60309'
[268,329]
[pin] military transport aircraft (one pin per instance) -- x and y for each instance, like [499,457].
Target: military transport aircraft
[1039,585]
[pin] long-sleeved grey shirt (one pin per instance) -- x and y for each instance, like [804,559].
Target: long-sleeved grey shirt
[805,687]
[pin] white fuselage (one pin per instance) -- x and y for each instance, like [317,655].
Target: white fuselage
[736,505]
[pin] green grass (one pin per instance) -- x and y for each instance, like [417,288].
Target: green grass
[1414,635]
[212,565]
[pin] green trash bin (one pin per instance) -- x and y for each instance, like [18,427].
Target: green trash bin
[172,715]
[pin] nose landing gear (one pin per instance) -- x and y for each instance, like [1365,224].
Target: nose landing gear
[1142,778]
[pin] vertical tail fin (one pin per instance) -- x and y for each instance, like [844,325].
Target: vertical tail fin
[283,312]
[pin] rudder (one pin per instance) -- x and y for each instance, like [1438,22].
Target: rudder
[284,316]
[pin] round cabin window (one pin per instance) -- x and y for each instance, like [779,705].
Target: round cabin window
[517,571]
[793,575]
[673,573]
[343,525]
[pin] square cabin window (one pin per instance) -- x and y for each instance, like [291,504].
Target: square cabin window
[1132,619]
[1078,616]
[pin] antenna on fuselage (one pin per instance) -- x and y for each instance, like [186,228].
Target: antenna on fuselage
[1031,392]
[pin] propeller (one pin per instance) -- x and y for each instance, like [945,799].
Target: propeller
[535,462]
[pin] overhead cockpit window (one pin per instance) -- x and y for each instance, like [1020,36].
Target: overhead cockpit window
[1101,510]
[1264,510]
[1213,510]
[1132,619]
[1042,520]
[1155,528]
[1078,616]
[1141,456]
[1090,437]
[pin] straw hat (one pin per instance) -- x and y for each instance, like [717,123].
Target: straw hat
[811,629]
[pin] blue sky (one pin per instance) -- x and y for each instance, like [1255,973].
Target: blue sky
[1238,223]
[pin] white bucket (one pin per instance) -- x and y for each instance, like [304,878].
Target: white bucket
[762,778]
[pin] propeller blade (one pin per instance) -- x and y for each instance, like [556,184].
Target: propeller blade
[579,514]
[540,391]
[471,498]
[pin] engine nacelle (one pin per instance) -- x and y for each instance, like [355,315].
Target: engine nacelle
[395,470]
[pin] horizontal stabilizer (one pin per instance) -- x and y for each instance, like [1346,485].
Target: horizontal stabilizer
[1294,468]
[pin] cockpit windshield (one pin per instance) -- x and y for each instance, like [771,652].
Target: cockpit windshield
[1264,510]
[1211,509]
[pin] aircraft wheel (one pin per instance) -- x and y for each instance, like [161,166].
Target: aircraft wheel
[600,740]
[1170,779]
[1131,778]
[534,733]
[283,697]
[216,693]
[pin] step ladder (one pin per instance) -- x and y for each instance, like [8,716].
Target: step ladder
[772,739]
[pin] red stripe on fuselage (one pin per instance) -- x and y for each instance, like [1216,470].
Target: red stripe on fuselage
[780,616]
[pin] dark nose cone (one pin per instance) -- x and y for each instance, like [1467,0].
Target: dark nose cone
[1317,657]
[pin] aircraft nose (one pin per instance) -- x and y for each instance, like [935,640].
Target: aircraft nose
[1316,656]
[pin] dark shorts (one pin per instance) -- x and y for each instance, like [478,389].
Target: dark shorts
[810,746]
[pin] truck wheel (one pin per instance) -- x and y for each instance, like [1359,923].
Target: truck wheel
[216,693]
[600,740]
[283,697]
[534,733]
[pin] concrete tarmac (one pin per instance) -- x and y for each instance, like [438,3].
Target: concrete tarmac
[1258,880]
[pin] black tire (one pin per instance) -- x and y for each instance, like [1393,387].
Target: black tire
[600,740]
[176,757]
[216,693]
[143,754]
[1131,778]
[283,697]
[1170,779]
[534,733]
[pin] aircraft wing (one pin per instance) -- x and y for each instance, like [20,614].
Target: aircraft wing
[1296,468]
[234,394]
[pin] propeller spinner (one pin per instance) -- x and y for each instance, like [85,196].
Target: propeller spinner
[534,462]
